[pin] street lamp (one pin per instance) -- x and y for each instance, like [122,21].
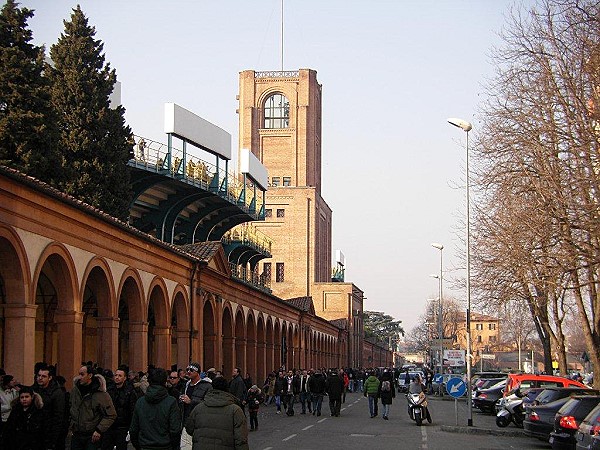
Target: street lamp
[440,247]
[466,127]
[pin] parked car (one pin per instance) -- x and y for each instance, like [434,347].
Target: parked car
[484,383]
[588,434]
[486,399]
[550,394]
[539,419]
[568,418]
[402,385]
[528,380]
[477,376]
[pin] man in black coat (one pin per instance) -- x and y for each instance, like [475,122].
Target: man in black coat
[316,386]
[53,398]
[237,388]
[334,386]
[124,397]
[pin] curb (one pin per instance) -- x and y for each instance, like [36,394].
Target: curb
[488,431]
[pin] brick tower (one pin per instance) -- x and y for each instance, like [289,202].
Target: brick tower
[280,122]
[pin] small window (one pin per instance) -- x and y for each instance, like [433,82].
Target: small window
[275,181]
[277,112]
[287,181]
[492,338]
[267,271]
[479,340]
[280,272]
[492,326]
[281,213]
[479,326]
[268,212]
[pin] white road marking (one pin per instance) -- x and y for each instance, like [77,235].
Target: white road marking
[306,428]
[349,406]
[424,437]
[289,437]
[362,435]
[343,409]
[322,420]
[267,448]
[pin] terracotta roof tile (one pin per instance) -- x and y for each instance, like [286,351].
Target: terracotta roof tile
[203,251]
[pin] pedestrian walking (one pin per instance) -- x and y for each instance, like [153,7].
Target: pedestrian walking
[156,422]
[279,391]
[9,391]
[193,393]
[371,391]
[334,386]
[218,422]
[254,398]
[292,389]
[92,410]
[238,388]
[344,376]
[305,392]
[316,385]
[387,393]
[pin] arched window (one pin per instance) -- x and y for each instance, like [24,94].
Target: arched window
[277,111]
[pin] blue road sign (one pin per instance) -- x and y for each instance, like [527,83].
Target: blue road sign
[456,387]
[438,378]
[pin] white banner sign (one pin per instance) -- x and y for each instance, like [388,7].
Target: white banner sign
[454,358]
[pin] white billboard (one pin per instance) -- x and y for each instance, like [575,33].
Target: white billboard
[250,165]
[199,132]
[454,358]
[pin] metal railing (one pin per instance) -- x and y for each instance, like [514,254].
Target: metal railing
[250,278]
[277,74]
[249,234]
[155,156]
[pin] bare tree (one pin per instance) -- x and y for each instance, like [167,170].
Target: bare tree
[537,226]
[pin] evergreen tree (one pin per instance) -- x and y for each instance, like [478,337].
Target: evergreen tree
[27,132]
[95,142]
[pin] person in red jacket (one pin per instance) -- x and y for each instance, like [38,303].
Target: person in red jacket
[344,376]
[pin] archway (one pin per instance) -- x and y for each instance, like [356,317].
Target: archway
[240,340]
[97,319]
[58,317]
[250,365]
[17,313]
[209,336]
[260,373]
[228,341]
[133,343]
[277,353]
[159,328]
[180,335]
[269,346]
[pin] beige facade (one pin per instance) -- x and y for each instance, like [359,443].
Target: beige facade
[485,332]
[280,122]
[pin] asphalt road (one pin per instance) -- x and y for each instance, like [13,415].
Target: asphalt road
[354,429]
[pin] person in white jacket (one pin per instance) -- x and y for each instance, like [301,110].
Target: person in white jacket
[8,392]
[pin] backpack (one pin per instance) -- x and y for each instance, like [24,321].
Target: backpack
[385,386]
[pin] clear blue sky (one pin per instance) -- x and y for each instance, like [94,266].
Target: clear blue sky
[392,73]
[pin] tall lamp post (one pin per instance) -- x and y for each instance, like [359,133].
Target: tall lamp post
[440,247]
[466,127]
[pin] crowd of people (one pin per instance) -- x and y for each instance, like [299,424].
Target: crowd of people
[166,410]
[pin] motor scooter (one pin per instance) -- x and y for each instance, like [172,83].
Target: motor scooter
[510,409]
[417,408]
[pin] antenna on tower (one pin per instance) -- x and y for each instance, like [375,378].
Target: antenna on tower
[282,35]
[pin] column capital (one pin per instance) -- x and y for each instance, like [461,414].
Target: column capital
[19,310]
[68,316]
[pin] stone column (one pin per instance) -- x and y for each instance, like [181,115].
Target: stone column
[183,348]
[138,346]
[228,353]
[19,341]
[69,326]
[108,342]
[162,347]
